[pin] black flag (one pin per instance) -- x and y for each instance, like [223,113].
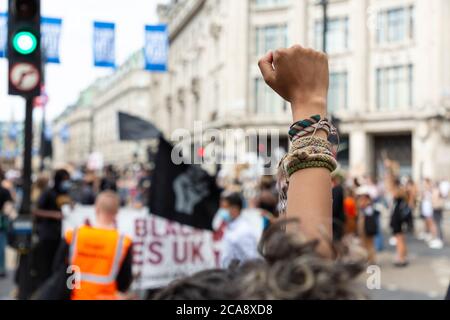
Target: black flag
[133,128]
[183,193]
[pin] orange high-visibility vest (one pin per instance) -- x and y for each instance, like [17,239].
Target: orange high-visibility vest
[98,255]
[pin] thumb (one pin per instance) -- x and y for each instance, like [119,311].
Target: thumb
[266,67]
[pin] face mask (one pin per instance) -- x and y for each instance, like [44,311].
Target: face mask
[266,223]
[225,215]
[66,185]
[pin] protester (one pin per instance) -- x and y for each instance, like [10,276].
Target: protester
[351,212]
[87,191]
[411,196]
[338,208]
[6,212]
[431,231]
[109,180]
[368,221]
[239,240]
[39,187]
[301,77]
[101,255]
[48,224]
[400,211]
[438,202]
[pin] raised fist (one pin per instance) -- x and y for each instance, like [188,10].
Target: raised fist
[300,76]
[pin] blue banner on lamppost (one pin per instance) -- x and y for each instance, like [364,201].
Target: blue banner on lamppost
[156,49]
[3,33]
[104,45]
[51,34]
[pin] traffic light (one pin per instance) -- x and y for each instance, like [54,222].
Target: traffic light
[24,48]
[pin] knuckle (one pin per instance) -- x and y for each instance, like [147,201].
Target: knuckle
[296,47]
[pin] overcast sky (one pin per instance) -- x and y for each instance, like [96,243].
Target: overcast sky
[64,81]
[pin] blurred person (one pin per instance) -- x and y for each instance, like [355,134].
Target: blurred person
[399,213]
[100,254]
[144,187]
[351,212]
[87,191]
[431,232]
[109,179]
[368,219]
[38,187]
[338,208]
[239,242]
[48,225]
[6,212]
[438,201]
[411,198]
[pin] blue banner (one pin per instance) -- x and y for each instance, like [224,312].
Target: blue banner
[3,33]
[156,49]
[51,34]
[104,44]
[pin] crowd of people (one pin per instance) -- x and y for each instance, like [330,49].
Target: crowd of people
[307,256]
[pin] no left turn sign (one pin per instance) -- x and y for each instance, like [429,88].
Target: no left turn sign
[24,76]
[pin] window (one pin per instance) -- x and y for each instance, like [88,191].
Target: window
[270,3]
[395,87]
[266,100]
[337,35]
[337,94]
[395,25]
[270,38]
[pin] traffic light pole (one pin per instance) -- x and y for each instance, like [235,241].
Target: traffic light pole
[25,208]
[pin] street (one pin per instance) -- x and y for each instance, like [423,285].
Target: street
[426,278]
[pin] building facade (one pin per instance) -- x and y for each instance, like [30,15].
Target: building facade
[91,125]
[389,84]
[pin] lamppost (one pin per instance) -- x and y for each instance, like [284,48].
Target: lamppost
[324,5]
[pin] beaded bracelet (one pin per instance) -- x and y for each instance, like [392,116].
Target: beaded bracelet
[293,161]
[309,165]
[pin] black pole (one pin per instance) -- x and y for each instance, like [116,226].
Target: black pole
[324,4]
[25,208]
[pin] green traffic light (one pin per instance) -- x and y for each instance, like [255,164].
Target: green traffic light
[24,42]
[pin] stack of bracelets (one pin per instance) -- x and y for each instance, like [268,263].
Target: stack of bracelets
[307,150]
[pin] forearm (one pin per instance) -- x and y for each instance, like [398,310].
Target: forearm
[56,215]
[309,194]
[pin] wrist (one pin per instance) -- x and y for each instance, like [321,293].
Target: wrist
[304,110]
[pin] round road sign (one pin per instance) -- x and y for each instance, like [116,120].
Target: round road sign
[24,76]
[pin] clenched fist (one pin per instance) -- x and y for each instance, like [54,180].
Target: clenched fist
[301,77]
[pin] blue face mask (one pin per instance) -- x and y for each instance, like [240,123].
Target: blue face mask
[225,215]
[66,186]
[266,223]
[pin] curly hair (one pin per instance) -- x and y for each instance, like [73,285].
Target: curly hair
[291,270]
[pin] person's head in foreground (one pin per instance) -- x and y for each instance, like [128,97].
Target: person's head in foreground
[107,207]
[291,270]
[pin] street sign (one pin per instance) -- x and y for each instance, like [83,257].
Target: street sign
[24,77]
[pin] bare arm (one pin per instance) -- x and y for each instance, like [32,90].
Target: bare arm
[300,76]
